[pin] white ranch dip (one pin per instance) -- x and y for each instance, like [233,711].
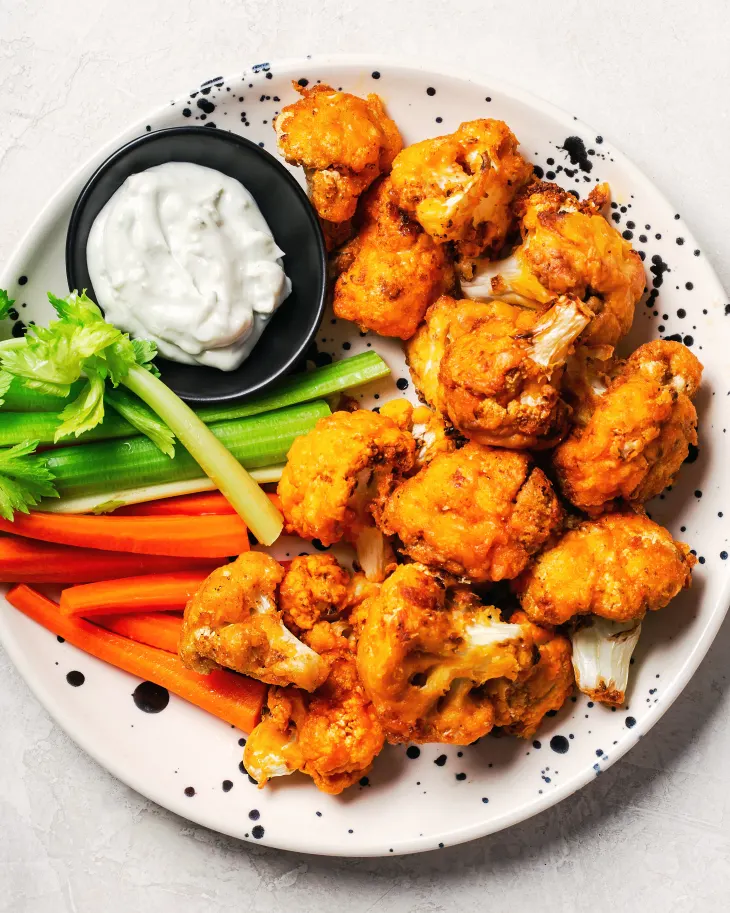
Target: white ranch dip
[181,255]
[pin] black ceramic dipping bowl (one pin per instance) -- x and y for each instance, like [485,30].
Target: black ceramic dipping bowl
[291,219]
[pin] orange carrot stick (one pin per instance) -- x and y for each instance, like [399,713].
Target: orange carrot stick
[152,593]
[195,505]
[159,630]
[234,698]
[204,537]
[32,561]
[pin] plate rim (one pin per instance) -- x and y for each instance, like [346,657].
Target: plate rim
[65,718]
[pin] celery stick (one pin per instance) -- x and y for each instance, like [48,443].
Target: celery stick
[16,427]
[111,466]
[110,501]
[20,398]
[300,388]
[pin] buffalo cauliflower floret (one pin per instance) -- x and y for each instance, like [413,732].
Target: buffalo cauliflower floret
[461,187]
[390,272]
[233,621]
[568,248]
[446,320]
[520,705]
[427,427]
[338,474]
[602,651]
[343,142]
[425,653]
[332,735]
[478,513]
[618,566]
[638,434]
[315,588]
[501,381]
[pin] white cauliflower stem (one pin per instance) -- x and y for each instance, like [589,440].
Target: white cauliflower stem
[602,651]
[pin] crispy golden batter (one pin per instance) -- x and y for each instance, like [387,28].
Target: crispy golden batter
[427,427]
[233,621]
[618,566]
[340,471]
[343,142]
[390,272]
[501,381]
[314,589]
[568,248]
[478,513]
[520,705]
[332,735]
[425,653]
[638,434]
[445,320]
[460,187]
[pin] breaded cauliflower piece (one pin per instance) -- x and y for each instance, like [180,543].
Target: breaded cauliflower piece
[390,272]
[618,566]
[343,142]
[332,735]
[568,248]
[341,472]
[446,320]
[501,381]
[315,588]
[478,513]
[520,705]
[233,621]
[638,434]
[602,651]
[425,653]
[460,187]
[427,427]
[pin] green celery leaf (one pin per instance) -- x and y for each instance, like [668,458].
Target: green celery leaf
[86,411]
[23,482]
[5,381]
[5,303]
[145,351]
[143,418]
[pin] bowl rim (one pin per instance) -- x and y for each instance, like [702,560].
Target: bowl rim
[234,139]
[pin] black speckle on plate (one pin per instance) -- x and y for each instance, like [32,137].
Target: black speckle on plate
[440,760]
[402,383]
[254,814]
[413,752]
[150,698]
[460,776]
[559,744]
[430,91]
[227,786]
[189,791]
[75,679]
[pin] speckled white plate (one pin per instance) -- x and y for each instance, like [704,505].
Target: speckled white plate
[432,796]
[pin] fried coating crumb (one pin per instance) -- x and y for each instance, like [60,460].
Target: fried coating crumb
[390,272]
[478,513]
[233,621]
[501,381]
[520,705]
[460,187]
[426,651]
[618,566]
[568,248]
[332,735]
[343,142]
[638,434]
